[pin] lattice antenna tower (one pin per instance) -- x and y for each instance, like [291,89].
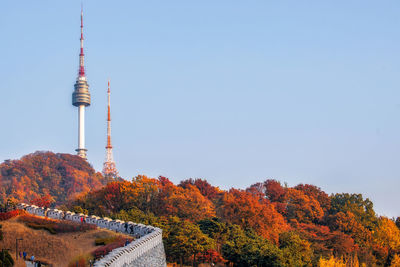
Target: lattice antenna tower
[109,168]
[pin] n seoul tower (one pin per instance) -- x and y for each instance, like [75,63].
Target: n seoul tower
[81,98]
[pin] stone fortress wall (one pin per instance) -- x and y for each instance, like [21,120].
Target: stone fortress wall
[146,250]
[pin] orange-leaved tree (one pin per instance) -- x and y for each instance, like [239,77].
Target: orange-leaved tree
[302,207]
[187,203]
[243,208]
[44,201]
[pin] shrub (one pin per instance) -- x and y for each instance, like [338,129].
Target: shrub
[35,226]
[102,251]
[54,226]
[80,261]
[8,260]
[105,240]
[10,214]
[209,255]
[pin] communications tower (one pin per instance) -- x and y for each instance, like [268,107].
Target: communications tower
[109,168]
[81,97]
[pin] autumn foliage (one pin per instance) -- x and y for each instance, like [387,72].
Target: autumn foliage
[242,208]
[266,224]
[48,177]
[54,226]
[10,214]
[105,249]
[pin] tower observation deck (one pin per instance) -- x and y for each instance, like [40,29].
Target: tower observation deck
[81,97]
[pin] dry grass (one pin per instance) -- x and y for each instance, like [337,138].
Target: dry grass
[58,249]
[54,226]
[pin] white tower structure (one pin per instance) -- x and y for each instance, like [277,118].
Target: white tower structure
[109,168]
[81,97]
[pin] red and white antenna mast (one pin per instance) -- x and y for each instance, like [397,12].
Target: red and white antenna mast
[109,168]
[81,54]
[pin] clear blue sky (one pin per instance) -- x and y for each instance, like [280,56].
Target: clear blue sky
[231,91]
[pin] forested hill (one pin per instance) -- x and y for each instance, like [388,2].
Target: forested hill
[267,224]
[58,177]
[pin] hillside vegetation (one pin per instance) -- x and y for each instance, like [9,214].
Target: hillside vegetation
[57,249]
[60,176]
[266,224]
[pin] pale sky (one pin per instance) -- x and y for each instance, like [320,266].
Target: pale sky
[234,92]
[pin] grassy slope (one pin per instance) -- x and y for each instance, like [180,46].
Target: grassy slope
[57,249]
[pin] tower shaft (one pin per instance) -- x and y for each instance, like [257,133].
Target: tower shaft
[81,131]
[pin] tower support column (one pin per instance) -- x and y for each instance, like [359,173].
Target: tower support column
[81,131]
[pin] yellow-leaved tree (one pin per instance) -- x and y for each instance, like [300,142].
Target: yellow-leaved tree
[387,234]
[395,261]
[340,262]
[331,262]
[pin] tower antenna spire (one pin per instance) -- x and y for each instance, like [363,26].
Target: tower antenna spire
[81,54]
[109,146]
[81,96]
[109,168]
